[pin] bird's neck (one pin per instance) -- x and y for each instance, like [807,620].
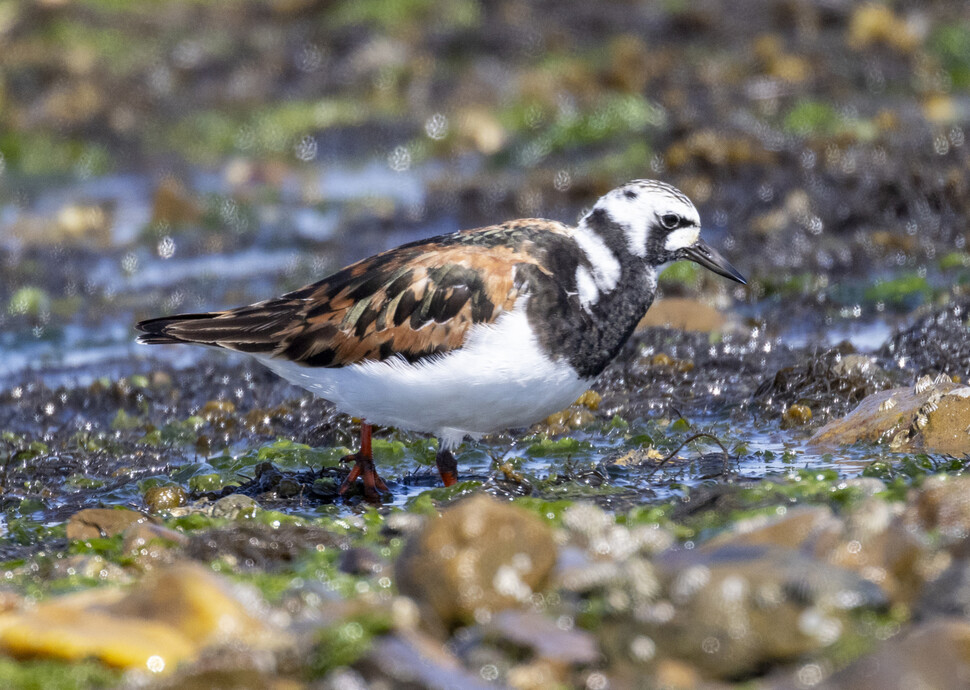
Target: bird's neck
[586,327]
[612,314]
[614,317]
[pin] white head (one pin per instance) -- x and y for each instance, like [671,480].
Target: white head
[658,223]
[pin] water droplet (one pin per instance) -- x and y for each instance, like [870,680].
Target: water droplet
[166,247]
[310,59]
[436,127]
[129,263]
[306,149]
[399,159]
[562,181]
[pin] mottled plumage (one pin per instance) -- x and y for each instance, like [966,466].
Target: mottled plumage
[412,302]
[472,332]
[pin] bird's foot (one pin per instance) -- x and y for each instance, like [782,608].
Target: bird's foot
[364,469]
[447,467]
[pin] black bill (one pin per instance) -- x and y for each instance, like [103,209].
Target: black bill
[709,258]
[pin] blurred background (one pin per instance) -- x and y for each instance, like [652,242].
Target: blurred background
[185,155]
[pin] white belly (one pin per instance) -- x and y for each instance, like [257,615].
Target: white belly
[498,379]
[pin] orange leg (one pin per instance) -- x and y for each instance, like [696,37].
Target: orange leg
[447,467]
[364,469]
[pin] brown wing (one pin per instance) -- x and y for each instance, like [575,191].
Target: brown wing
[413,301]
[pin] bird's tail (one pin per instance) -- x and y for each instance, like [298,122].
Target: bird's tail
[245,330]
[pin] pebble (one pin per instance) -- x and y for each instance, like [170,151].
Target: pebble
[479,557]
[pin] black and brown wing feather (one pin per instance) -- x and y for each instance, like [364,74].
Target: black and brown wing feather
[414,301]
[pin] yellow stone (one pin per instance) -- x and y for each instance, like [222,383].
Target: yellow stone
[71,628]
[215,409]
[166,497]
[590,399]
[873,23]
[796,415]
[165,619]
[940,109]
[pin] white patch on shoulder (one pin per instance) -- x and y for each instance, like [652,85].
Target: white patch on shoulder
[499,378]
[605,265]
[681,238]
[588,292]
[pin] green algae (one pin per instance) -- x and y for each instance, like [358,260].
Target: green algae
[343,644]
[951,45]
[35,674]
[816,118]
[565,447]
[614,118]
[403,16]
[207,136]
[29,301]
[41,154]
[903,292]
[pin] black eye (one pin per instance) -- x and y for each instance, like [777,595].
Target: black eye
[670,220]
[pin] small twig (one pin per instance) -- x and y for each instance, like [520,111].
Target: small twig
[727,456]
[680,416]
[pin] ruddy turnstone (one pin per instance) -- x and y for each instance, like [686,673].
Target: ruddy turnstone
[469,333]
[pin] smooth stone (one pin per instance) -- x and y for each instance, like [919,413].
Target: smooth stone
[165,619]
[874,542]
[479,557]
[947,595]
[94,523]
[932,416]
[544,637]
[934,654]
[683,314]
[152,545]
[790,530]
[142,534]
[737,609]
[251,545]
[415,660]
[160,499]
[942,506]
[234,506]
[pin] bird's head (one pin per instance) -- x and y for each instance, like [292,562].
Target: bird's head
[659,224]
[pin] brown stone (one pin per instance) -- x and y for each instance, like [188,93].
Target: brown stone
[931,416]
[942,506]
[162,498]
[152,544]
[174,205]
[478,557]
[790,530]
[935,654]
[683,314]
[736,609]
[92,523]
[877,545]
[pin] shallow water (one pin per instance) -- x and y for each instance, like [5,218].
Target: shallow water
[287,243]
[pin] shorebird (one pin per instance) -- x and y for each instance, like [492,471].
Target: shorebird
[470,333]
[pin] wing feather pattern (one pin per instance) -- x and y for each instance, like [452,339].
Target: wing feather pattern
[414,301]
